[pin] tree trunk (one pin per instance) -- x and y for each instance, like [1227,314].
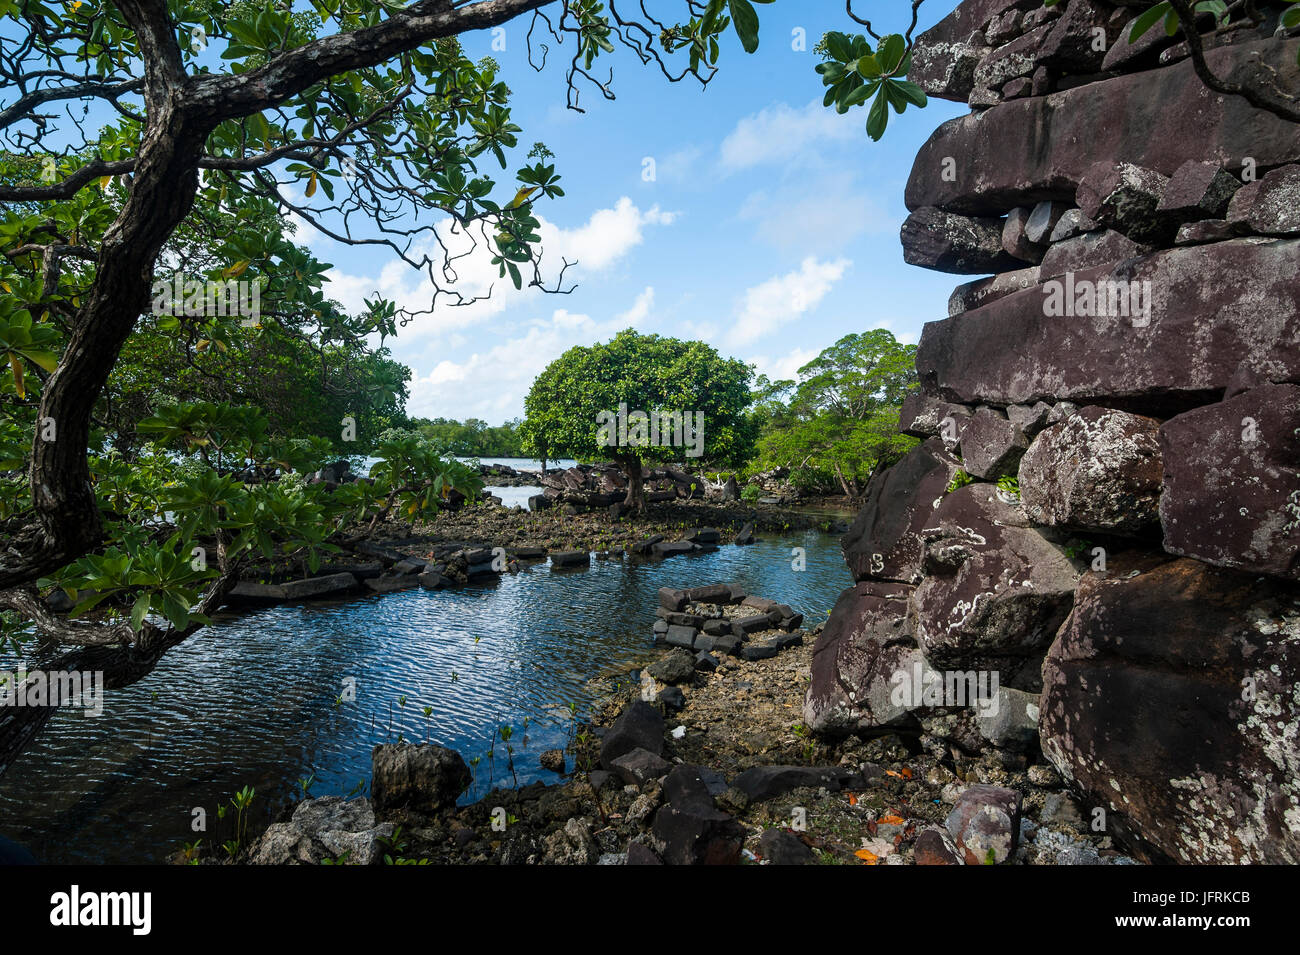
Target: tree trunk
[635,485]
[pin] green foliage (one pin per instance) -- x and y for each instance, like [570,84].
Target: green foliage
[473,438]
[854,73]
[838,422]
[959,480]
[646,373]
[1009,485]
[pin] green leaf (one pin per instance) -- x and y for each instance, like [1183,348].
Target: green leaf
[892,50]
[745,19]
[878,118]
[1147,20]
[914,94]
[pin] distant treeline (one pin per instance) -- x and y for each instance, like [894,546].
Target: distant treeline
[472,437]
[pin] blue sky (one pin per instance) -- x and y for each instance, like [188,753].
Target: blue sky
[769,229]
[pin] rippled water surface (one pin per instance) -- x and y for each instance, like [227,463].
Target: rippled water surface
[253,700]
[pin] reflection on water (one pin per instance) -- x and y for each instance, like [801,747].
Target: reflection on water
[253,700]
[514,496]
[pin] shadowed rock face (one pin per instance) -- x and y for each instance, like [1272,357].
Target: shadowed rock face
[1169,699]
[995,590]
[883,542]
[865,641]
[1203,324]
[1158,120]
[1232,482]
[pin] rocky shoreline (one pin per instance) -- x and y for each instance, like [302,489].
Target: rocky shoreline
[701,757]
[479,541]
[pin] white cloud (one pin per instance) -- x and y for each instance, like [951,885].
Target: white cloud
[786,367]
[491,384]
[783,134]
[778,301]
[597,245]
[640,309]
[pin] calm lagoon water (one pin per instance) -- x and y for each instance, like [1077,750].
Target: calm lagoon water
[252,699]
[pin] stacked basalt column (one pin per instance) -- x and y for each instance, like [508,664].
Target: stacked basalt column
[1133,364]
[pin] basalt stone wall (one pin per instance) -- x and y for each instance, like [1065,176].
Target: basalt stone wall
[1105,508]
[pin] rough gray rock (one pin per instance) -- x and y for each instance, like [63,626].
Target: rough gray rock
[1099,470]
[991,445]
[985,824]
[417,776]
[326,828]
[675,667]
[1073,222]
[946,242]
[1013,722]
[995,590]
[1030,419]
[865,642]
[922,415]
[572,845]
[1271,205]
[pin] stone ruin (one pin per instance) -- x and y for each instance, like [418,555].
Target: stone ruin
[1105,507]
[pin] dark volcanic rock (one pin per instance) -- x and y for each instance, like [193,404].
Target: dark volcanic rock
[985,824]
[1014,60]
[922,415]
[883,542]
[1026,150]
[1269,206]
[691,829]
[640,766]
[640,726]
[935,847]
[1169,698]
[1198,190]
[974,294]
[1015,239]
[779,847]
[864,643]
[417,776]
[951,243]
[1088,251]
[765,782]
[995,590]
[1125,197]
[1099,470]
[1012,352]
[1232,482]
[676,667]
[991,445]
[1071,46]
[945,56]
